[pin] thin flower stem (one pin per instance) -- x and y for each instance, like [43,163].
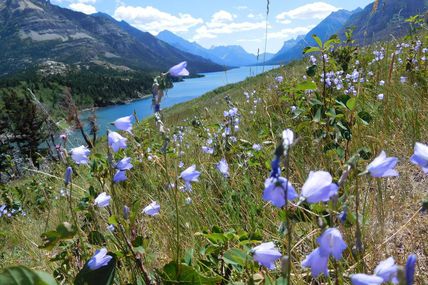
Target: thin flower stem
[74,217]
[287,218]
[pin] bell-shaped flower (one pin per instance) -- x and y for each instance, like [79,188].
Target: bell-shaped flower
[179,70]
[266,254]
[207,149]
[99,259]
[116,141]
[275,191]
[383,166]
[364,279]
[317,263]
[223,167]
[331,242]
[152,209]
[80,154]
[387,270]
[103,200]
[67,175]
[124,124]
[410,269]
[124,164]
[319,187]
[190,175]
[119,176]
[420,156]
[279,79]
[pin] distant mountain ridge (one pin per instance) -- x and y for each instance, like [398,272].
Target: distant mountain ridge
[369,24]
[232,55]
[329,26]
[36,31]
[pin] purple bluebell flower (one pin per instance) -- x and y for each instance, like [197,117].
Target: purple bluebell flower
[99,259]
[190,175]
[387,270]
[152,209]
[116,141]
[275,191]
[266,254]
[276,170]
[364,279]
[103,200]
[331,242]
[119,176]
[223,167]
[110,228]
[179,70]
[80,154]
[279,79]
[207,149]
[420,156]
[342,216]
[403,79]
[257,147]
[124,124]
[380,97]
[67,175]
[317,263]
[126,212]
[319,187]
[410,269]
[124,164]
[383,166]
[313,60]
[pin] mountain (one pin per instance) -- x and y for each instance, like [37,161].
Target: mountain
[35,31]
[387,20]
[189,47]
[232,55]
[329,26]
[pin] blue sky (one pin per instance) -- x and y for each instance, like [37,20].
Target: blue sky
[220,22]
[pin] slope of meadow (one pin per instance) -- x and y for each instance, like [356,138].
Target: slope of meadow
[372,99]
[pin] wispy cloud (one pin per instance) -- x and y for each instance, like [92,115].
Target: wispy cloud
[84,6]
[154,21]
[316,10]
[223,22]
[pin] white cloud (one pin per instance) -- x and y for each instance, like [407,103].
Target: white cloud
[154,21]
[289,33]
[87,1]
[316,10]
[223,22]
[82,7]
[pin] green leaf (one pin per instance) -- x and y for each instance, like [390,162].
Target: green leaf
[66,230]
[306,85]
[101,276]
[311,71]
[365,117]
[49,239]
[235,256]
[311,49]
[185,275]
[113,220]
[318,40]
[20,275]
[351,103]
[317,117]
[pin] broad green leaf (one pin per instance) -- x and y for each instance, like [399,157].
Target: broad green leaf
[20,275]
[351,103]
[49,239]
[113,220]
[317,117]
[306,85]
[311,49]
[66,230]
[235,256]
[318,40]
[365,117]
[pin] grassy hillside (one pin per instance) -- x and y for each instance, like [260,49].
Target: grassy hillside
[206,235]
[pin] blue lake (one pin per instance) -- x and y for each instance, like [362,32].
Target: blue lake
[182,92]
